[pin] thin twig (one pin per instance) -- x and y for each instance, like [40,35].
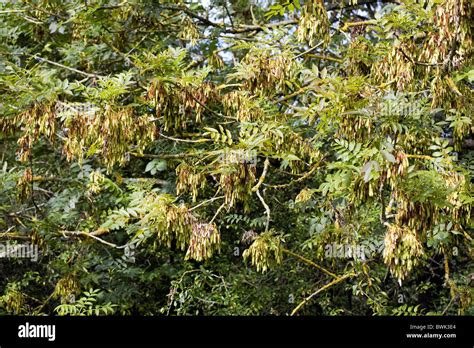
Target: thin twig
[309,50]
[92,235]
[166,155]
[294,94]
[66,67]
[11,11]
[309,262]
[449,304]
[217,212]
[356,24]
[316,166]
[206,201]
[417,62]
[333,59]
[184,140]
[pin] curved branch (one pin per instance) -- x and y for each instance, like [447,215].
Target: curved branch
[266,165]
[267,210]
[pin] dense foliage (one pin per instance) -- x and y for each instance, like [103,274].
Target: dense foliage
[237,157]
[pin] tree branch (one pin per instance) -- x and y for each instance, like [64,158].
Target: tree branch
[94,236]
[184,140]
[297,180]
[356,24]
[266,165]
[309,262]
[206,201]
[65,67]
[267,210]
[217,212]
[327,286]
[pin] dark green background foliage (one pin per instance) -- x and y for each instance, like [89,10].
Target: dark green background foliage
[237,157]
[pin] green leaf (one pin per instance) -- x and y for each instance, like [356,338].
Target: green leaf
[367,173]
[156,165]
[292,157]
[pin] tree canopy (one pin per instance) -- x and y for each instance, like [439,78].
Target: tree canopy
[237,157]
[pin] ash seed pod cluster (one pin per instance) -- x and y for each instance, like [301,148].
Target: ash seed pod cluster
[177,102]
[189,180]
[66,287]
[13,301]
[205,240]
[402,250]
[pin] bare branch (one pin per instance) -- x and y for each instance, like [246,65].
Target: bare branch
[94,236]
[66,67]
[309,262]
[262,177]
[327,286]
[267,210]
